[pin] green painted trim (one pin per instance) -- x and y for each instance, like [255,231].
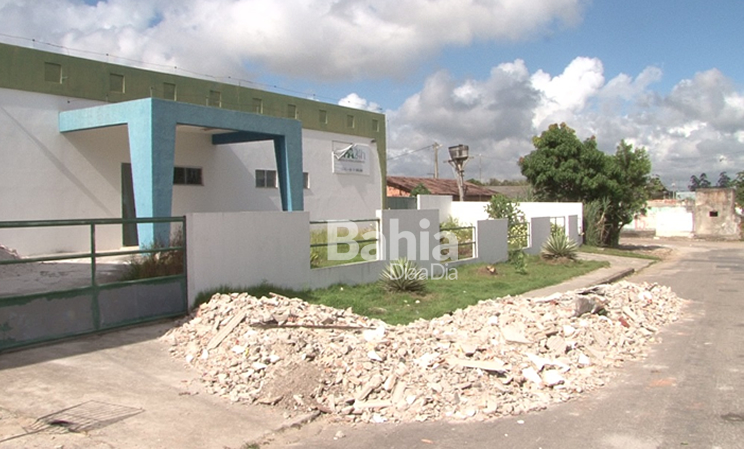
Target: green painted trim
[29,70]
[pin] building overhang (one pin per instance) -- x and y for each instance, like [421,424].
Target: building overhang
[152,124]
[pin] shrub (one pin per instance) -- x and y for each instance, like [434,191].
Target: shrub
[518,260]
[157,263]
[403,275]
[559,246]
[501,207]
[462,235]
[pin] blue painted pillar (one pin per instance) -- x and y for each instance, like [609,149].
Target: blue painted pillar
[152,147]
[288,153]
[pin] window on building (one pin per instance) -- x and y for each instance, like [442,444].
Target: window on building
[292,111]
[350,121]
[190,176]
[169,91]
[52,72]
[323,116]
[258,106]
[266,179]
[375,125]
[713,213]
[214,99]
[116,83]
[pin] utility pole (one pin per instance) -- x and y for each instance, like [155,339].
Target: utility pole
[480,169]
[436,147]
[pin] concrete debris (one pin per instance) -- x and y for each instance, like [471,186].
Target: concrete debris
[8,253]
[505,356]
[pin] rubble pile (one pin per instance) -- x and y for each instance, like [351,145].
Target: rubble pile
[499,357]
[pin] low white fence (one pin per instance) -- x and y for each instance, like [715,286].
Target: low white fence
[243,249]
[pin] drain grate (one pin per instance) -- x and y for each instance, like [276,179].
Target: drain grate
[84,417]
[79,418]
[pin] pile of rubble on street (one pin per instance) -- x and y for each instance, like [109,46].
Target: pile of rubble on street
[499,357]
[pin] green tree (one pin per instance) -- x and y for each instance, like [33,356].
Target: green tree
[738,185]
[420,189]
[501,207]
[655,188]
[563,168]
[698,183]
[724,180]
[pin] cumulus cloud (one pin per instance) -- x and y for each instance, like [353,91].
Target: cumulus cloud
[353,100]
[319,39]
[698,126]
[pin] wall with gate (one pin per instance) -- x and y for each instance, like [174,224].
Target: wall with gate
[244,249]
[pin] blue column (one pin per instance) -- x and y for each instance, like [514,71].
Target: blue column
[152,143]
[288,153]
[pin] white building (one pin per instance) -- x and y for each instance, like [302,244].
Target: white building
[88,139]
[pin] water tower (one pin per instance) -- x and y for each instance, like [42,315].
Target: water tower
[458,158]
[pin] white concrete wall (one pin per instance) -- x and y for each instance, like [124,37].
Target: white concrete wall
[410,234]
[442,203]
[338,196]
[469,212]
[566,210]
[472,211]
[491,240]
[247,249]
[674,222]
[243,249]
[539,234]
[46,175]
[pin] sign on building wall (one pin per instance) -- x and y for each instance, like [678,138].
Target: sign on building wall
[351,159]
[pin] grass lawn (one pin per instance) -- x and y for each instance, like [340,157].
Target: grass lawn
[474,283]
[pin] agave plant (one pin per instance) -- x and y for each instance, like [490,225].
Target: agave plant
[559,246]
[403,275]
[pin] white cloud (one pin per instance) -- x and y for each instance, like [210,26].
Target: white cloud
[319,39]
[569,91]
[698,127]
[353,100]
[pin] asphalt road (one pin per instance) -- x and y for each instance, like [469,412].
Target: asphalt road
[689,391]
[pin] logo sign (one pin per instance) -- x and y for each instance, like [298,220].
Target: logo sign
[352,159]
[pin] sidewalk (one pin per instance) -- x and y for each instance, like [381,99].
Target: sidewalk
[619,268]
[119,389]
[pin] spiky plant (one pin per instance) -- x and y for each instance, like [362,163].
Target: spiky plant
[559,246]
[403,275]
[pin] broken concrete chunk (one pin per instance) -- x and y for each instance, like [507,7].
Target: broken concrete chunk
[514,334]
[493,364]
[552,377]
[531,375]
[586,304]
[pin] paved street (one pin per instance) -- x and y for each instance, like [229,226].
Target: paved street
[687,393]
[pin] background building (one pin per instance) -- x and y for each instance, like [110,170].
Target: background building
[89,139]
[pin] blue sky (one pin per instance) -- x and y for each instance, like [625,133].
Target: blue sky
[665,75]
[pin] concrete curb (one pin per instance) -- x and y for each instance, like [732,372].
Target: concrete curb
[615,277]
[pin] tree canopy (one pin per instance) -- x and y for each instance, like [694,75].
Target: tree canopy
[563,168]
[698,183]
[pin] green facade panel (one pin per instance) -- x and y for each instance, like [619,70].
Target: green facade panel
[39,71]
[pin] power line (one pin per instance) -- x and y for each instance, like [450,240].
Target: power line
[410,152]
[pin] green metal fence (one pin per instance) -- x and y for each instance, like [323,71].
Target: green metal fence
[41,316]
[465,236]
[319,242]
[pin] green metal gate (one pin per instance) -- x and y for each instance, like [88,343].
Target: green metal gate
[41,316]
